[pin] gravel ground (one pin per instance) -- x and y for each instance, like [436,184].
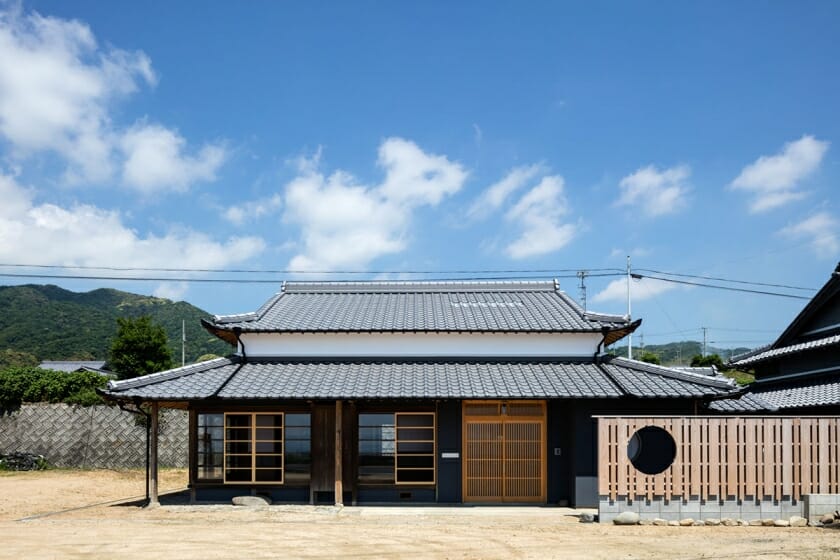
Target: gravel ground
[96,514]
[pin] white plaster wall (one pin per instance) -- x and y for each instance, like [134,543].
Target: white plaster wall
[421,344]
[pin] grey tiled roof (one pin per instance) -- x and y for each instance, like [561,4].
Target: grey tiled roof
[71,365]
[462,306]
[708,371]
[806,393]
[641,379]
[748,402]
[764,354]
[410,379]
[817,392]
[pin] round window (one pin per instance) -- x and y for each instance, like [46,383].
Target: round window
[651,450]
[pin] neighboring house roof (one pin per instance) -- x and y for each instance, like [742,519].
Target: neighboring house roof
[748,402]
[72,365]
[807,393]
[766,352]
[232,378]
[457,306]
[791,340]
[709,371]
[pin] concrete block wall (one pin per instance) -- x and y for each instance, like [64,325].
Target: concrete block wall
[817,505]
[92,437]
[697,509]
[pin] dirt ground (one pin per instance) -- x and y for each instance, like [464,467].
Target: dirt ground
[114,526]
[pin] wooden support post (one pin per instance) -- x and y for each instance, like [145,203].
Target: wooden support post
[153,456]
[339,486]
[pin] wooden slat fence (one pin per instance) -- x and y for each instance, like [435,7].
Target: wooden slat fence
[725,457]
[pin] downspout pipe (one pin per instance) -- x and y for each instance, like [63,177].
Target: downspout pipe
[237,332]
[597,356]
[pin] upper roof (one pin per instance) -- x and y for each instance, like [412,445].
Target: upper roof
[799,336]
[456,306]
[234,378]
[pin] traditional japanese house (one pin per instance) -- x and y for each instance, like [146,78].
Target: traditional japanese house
[448,392]
[799,372]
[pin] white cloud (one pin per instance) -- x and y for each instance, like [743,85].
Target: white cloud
[539,214]
[413,177]
[655,192]
[57,88]
[90,236]
[171,290]
[496,194]
[253,210]
[345,224]
[640,290]
[773,179]
[821,231]
[155,160]
[478,135]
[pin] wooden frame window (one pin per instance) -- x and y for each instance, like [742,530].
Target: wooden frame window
[415,460]
[253,447]
[210,446]
[397,448]
[297,448]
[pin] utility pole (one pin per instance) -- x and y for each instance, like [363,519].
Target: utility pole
[704,341]
[629,315]
[183,343]
[582,275]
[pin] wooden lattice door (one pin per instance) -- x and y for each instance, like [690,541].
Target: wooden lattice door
[504,451]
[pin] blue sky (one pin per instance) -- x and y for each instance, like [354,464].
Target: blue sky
[699,138]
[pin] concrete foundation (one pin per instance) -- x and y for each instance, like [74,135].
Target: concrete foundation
[698,509]
[817,505]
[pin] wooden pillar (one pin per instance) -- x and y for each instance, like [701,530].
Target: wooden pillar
[153,456]
[339,486]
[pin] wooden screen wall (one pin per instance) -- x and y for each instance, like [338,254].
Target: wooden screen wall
[725,457]
[504,451]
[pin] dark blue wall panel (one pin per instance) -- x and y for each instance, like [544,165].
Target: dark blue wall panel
[449,441]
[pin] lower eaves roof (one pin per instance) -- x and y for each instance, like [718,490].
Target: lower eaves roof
[807,393]
[234,379]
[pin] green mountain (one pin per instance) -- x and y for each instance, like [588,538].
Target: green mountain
[51,323]
[678,353]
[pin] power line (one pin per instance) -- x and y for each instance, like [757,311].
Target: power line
[683,331]
[729,288]
[719,279]
[573,271]
[244,280]
[521,274]
[743,330]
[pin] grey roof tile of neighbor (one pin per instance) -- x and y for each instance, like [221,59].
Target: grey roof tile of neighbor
[71,365]
[804,394]
[813,392]
[747,402]
[465,306]
[405,378]
[766,352]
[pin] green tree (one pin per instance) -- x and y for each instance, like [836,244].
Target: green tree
[706,361]
[32,384]
[14,358]
[139,348]
[650,358]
